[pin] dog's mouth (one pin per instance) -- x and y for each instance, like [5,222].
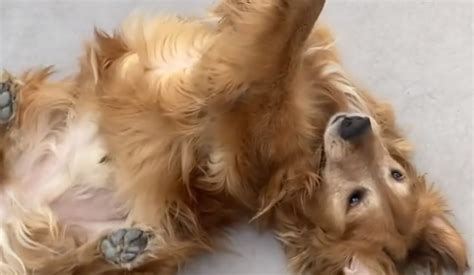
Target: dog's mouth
[322,159]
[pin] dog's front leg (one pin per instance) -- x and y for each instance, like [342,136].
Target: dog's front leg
[259,43]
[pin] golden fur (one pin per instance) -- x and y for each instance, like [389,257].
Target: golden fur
[200,125]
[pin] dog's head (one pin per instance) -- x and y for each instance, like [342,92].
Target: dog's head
[374,214]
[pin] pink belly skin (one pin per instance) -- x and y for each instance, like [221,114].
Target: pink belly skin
[93,213]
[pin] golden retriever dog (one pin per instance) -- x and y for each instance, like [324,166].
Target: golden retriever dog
[175,127]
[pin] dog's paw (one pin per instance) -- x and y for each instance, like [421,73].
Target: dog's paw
[125,246]
[8,89]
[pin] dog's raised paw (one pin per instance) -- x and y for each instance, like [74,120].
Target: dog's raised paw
[125,245]
[7,98]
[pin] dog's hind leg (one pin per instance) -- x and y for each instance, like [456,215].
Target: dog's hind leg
[124,246]
[8,92]
[136,250]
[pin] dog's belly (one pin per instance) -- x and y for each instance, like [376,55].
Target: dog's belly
[90,216]
[99,205]
[69,181]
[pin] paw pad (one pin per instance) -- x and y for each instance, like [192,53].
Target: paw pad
[124,245]
[8,89]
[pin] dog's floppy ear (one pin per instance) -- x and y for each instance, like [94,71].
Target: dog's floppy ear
[440,245]
[443,247]
[357,266]
[377,263]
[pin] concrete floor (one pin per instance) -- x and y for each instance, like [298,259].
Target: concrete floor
[417,54]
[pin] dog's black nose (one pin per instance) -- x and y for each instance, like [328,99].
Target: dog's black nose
[353,127]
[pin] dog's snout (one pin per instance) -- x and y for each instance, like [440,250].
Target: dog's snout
[353,127]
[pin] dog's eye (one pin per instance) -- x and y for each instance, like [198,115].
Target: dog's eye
[356,198]
[397,175]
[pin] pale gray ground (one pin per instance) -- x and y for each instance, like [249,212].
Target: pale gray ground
[417,54]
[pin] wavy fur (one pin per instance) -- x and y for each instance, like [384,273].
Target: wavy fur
[190,126]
